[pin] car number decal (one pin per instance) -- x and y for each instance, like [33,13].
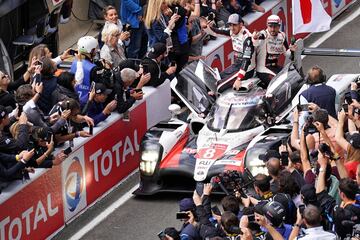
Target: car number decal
[205,158]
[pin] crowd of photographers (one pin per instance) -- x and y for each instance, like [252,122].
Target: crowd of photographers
[48,107]
[309,188]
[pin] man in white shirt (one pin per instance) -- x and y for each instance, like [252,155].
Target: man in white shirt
[312,220]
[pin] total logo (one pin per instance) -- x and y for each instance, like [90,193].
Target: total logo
[74,184]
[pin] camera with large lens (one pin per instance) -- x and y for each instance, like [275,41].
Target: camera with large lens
[309,127]
[234,181]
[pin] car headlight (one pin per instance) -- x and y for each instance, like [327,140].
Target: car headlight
[150,155]
[253,163]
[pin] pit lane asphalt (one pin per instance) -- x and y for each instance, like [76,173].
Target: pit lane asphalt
[143,218]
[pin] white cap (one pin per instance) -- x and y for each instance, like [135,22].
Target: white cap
[87,44]
[274,19]
[235,19]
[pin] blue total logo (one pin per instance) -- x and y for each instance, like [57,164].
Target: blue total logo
[74,184]
[337,2]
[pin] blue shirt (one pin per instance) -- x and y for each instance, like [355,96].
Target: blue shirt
[95,109]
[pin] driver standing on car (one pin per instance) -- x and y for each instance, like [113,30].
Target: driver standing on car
[244,57]
[271,45]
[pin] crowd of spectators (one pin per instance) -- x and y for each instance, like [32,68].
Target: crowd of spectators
[309,188]
[48,107]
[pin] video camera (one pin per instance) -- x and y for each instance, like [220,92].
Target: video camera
[233,181]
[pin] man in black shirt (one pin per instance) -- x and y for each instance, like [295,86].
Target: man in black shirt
[152,64]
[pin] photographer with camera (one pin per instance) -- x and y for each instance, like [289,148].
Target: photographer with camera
[352,148]
[272,161]
[152,65]
[187,215]
[349,209]
[311,218]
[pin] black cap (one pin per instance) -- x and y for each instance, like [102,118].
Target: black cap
[308,191]
[156,50]
[275,212]
[354,140]
[172,232]
[4,111]
[269,154]
[186,204]
[101,88]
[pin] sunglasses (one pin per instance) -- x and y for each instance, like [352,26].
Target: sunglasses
[4,76]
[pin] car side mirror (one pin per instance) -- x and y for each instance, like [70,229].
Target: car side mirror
[175,110]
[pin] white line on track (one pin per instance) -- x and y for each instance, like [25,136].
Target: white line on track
[79,234]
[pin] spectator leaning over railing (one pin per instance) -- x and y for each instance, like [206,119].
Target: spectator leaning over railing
[125,96]
[159,22]
[153,65]
[28,99]
[93,104]
[73,128]
[12,166]
[65,88]
[7,143]
[111,16]
[112,51]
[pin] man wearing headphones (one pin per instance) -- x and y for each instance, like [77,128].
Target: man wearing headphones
[319,93]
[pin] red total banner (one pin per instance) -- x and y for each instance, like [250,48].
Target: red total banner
[114,153]
[36,211]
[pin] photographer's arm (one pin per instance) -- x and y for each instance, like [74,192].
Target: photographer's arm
[339,134]
[304,153]
[295,131]
[261,220]
[320,184]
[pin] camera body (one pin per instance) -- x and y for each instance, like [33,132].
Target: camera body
[326,150]
[309,127]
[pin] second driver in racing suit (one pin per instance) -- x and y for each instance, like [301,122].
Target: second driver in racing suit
[272,44]
[244,57]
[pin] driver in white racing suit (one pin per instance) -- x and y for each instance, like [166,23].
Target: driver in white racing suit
[272,44]
[244,53]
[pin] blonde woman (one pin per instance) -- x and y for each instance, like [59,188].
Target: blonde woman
[159,25]
[112,51]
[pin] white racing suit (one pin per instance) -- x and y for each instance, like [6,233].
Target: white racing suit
[244,57]
[267,54]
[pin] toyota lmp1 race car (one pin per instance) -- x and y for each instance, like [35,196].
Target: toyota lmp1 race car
[176,154]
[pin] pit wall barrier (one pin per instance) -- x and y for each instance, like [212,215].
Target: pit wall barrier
[43,205]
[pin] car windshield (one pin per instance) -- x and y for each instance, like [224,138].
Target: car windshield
[234,115]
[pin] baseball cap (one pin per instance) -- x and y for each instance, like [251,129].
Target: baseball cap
[172,232]
[354,140]
[235,19]
[101,88]
[269,154]
[4,111]
[273,20]
[275,212]
[156,50]
[186,204]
